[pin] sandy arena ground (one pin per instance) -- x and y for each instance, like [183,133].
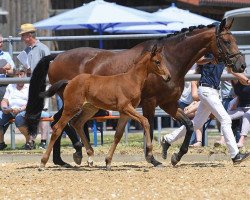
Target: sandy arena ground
[197,176]
[203,173]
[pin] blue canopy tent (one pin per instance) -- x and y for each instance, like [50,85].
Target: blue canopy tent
[182,18]
[99,16]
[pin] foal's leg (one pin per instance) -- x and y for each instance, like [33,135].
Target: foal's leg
[130,111]
[183,119]
[117,137]
[78,122]
[57,130]
[57,146]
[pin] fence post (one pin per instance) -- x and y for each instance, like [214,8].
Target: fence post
[10,46]
[12,136]
[159,127]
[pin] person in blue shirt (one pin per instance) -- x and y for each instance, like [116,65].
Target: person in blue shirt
[210,102]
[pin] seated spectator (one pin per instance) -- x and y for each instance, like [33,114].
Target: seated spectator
[13,107]
[241,109]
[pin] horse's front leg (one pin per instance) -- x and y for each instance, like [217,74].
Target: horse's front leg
[117,137]
[131,112]
[185,130]
[57,130]
[148,108]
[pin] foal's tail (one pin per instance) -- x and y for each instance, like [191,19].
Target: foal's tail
[35,103]
[54,89]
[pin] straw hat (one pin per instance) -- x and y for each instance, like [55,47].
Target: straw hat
[27,28]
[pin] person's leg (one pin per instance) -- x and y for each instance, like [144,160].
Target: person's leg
[236,116]
[211,99]
[20,124]
[4,120]
[198,139]
[43,129]
[245,127]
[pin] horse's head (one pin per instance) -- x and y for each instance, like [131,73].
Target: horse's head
[227,48]
[157,63]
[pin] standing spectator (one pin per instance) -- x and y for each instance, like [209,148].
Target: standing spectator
[208,92]
[35,51]
[6,69]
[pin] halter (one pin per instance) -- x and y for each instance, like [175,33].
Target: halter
[222,51]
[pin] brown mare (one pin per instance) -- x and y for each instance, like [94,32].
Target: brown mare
[85,94]
[181,51]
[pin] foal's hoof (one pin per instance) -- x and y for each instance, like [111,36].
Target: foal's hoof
[90,164]
[77,157]
[108,167]
[41,167]
[174,159]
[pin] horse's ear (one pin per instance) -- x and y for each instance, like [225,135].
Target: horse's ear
[222,24]
[229,24]
[153,51]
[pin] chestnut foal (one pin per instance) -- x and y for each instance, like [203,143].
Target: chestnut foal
[85,94]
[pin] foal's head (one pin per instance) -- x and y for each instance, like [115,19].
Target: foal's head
[156,63]
[226,47]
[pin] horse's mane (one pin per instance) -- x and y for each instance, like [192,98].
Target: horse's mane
[187,30]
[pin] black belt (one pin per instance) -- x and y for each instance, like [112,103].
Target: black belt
[206,85]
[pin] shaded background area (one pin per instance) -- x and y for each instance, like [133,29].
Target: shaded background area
[30,11]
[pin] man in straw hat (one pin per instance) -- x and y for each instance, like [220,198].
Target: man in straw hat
[35,51]
[34,48]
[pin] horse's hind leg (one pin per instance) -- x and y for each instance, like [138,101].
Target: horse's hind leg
[78,122]
[183,119]
[130,111]
[117,137]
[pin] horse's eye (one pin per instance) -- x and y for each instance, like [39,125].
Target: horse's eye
[157,62]
[228,43]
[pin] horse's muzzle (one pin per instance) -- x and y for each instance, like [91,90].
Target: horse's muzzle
[166,77]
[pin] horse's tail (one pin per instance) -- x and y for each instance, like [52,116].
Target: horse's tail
[54,89]
[35,103]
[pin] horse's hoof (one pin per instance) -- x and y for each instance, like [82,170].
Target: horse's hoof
[66,165]
[159,166]
[77,157]
[108,167]
[174,159]
[90,164]
[41,167]
[155,162]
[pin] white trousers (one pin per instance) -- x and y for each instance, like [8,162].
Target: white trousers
[209,103]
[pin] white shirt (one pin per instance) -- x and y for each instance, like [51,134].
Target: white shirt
[6,56]
[17,98]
